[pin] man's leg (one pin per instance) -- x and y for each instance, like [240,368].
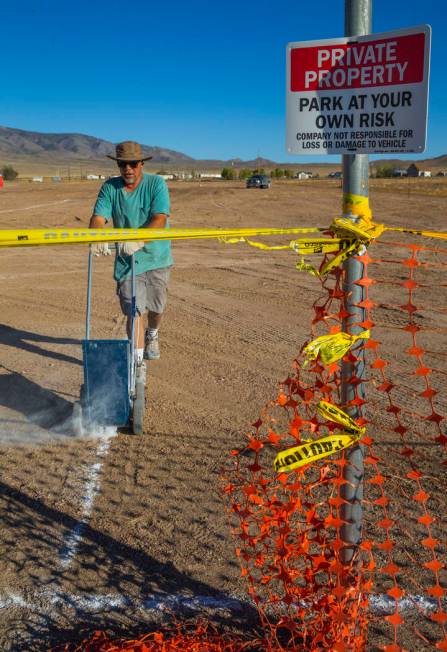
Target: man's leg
[157,291]
[124,290]
[154,319]
[138,330]
[151,347]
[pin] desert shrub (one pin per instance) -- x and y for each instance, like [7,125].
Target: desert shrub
[8,173]
[384,172]
[244,173]
[227,173]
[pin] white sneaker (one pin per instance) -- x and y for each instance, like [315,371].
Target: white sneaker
[151,348]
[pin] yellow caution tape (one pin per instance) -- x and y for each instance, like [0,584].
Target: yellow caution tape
[331,348]
[356,205]
[297,456]
[302,246]
[428,234]
[333,413]
[304,454]
[33,237]
[317,245]
[351,236]
[361,229]
[306,246]
[258,245]
[302,266]
[344,254]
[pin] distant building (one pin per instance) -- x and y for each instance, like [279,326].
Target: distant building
[397,172]
[185,176]
[412,171]
[210,175]
[303,175]
[441,174]
[424,173]
[38,179]
[92,177]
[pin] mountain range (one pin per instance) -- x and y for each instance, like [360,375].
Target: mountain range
[33,148]
[63,148]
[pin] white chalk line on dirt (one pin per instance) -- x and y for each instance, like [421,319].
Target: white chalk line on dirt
[30,208]
[46,601]
[73,539]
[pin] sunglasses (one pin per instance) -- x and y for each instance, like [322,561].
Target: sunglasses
[124,164]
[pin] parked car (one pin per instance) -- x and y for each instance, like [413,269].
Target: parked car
[258,181]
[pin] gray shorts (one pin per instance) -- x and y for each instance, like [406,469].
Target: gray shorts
[151,291]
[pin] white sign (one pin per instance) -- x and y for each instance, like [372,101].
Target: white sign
[359,95]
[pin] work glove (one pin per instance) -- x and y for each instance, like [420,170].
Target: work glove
[129,248]
[101,249]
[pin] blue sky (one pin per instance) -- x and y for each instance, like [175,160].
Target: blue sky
[203,78]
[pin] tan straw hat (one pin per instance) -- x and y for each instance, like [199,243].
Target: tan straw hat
[129,150]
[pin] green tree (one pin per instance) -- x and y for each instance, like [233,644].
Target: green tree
[244,173]
[259,171]
[288,174]
[8,173]
[277,173]
[384,172]
[227,173]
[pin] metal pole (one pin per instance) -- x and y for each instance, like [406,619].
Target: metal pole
[132,327]
[89,293]
[358,21]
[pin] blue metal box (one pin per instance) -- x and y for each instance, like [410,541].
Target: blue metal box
[106,382]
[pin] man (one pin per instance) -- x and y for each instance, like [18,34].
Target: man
[137,200]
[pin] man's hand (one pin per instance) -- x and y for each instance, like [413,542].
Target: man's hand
[101,249]
[130,248]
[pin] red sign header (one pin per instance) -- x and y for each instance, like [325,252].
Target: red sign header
[384,62]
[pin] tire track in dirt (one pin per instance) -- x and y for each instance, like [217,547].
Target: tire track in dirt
[240,326]
[34,206]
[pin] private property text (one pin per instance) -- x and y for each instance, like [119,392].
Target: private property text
[358,65]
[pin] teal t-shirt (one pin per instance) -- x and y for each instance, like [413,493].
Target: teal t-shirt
[133,210]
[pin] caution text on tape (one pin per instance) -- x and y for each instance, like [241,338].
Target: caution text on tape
[312,451]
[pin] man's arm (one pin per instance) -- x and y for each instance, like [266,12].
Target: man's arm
[99,248]
[157,221]
[97,222]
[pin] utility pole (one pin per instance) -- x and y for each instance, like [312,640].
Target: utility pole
[358,21]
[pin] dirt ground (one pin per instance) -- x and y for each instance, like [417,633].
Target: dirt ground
[112,533]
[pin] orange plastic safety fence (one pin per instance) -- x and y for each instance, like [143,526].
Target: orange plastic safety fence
[182,638]
[389,593]
[290,526]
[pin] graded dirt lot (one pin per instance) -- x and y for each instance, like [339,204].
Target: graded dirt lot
[110,533]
